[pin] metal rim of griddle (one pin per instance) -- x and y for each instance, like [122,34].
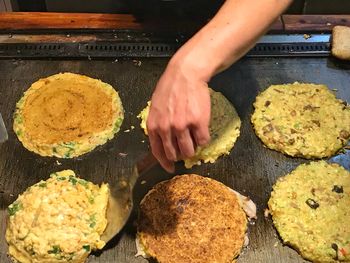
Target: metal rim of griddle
[268,46]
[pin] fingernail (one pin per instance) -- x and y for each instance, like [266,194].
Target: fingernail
[171,168]
[203,142]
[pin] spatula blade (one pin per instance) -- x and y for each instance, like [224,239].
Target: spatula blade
[121,199]
[3,131]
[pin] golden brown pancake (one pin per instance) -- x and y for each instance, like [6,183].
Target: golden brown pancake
[304,120]
[191,219]
[66,115]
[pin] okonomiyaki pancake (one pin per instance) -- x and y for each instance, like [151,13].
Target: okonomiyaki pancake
[224,130]
[67,115]
[310,209]
[191,219]
[57,220]
[304,120]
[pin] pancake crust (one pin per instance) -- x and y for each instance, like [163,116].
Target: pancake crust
[67,115]
[57,220]
[224,130]
[191,219]
[310,209]
[304,120]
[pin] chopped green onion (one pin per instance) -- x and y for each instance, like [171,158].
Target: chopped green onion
[69,145]
[87,248]
[91,199]
[83,183]
[14,208]
[72,180]
[55,250]
[19,120]
[92,221]
[43,185]
[68,257]
[61,178]
[53,175]
[117,124]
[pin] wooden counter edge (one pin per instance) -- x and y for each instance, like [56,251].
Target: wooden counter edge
[20,21]
[19,27]
[313,23]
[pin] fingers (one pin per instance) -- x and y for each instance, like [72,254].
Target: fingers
[185,143]
[169,144]
[201,135]
[159,153]
[177,124]
[162,143]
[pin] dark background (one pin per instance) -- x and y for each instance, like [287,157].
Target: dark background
[172,6]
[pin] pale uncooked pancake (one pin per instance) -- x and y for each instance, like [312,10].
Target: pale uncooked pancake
[305,120]
[67,115]
[224,130]
[57,220]
[191,219]
[310,209]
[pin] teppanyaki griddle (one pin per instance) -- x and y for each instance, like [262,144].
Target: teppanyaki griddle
[250,168]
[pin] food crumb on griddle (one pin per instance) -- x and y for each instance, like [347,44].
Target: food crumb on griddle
[137,62]
[266,213]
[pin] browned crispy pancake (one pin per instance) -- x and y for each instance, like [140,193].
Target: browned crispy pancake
[66,115]
[191,219]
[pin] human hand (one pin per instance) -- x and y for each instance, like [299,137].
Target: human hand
[179,116]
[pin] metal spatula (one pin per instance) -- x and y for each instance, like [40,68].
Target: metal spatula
[121,199]
[3,131]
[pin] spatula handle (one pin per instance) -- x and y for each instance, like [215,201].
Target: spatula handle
[146,163]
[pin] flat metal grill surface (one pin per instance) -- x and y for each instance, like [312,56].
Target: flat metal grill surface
[250,168]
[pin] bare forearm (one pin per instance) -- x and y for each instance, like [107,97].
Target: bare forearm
[180,111]
[228,36]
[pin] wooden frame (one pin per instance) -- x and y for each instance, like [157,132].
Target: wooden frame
[22,27]
[70,21]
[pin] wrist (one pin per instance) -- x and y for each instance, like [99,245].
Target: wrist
[192,62]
